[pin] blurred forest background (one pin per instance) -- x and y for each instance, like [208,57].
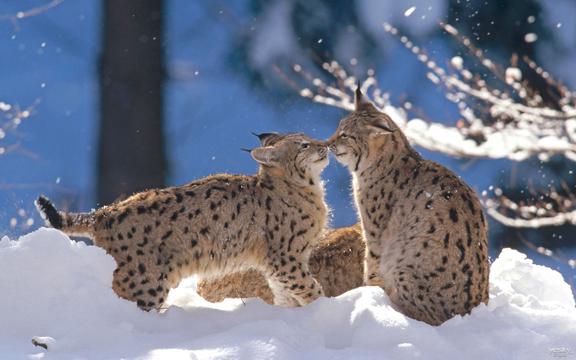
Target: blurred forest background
[103,98]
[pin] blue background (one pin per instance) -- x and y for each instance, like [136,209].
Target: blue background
[50,60]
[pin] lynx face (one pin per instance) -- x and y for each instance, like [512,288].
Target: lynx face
[357,135]
[296,155]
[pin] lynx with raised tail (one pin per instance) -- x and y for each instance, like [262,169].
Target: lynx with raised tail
[217,225]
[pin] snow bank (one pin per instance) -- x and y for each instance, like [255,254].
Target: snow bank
[57,292]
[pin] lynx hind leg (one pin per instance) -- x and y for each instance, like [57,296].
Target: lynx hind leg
[246,284]
[337,262]
[293,285]
[142,283]
[409,301]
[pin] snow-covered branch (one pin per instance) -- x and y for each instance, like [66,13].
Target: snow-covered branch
[11,116]
[23,14]
[553,209]
[507,119]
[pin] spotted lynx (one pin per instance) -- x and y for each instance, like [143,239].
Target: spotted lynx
[426,241]
[217,225]
[336,263]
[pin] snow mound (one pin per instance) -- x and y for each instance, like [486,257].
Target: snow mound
[57,292]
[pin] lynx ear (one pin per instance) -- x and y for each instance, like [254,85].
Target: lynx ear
[266,155]
[359,98]
[267,138]
[361,102]
[382,125]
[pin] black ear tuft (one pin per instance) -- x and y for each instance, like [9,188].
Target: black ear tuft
[267,139]
[246,150]
[358,96]
[361,102]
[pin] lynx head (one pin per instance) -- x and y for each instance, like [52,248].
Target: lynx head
[268,139]
[293,156]
[357,137]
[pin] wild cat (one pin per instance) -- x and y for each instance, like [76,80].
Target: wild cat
[217,225]
[426,235]
[336,263]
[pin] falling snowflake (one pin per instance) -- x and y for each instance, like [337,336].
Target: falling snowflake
[409,11]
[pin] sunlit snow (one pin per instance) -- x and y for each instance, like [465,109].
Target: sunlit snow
[57,293]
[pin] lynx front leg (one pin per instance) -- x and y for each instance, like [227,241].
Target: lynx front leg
[372,259]
[293,285]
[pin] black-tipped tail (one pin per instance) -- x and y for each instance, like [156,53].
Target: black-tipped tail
[49,212]
[73,224]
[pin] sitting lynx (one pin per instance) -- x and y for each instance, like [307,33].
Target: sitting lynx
[426,241]
[336,263]
[217,225]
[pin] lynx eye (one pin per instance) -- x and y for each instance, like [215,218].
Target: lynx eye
[343,135]
[305,145]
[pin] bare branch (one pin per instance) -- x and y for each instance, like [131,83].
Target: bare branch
[11,117]
[534,223]
[30,12]
[506,120]
[553,209]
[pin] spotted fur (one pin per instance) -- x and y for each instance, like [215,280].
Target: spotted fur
[336,263]
[217,225]
[425,232]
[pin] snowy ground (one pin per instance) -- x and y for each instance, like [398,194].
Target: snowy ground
[58,292]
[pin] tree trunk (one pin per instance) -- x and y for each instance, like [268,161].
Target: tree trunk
[131,154]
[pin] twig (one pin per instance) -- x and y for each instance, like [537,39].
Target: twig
[13,117]
[30,12]
[554,209]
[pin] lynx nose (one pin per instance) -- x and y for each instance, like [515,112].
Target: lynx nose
[332,147]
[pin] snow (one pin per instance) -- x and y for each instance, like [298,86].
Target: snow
[57,292]
[530,37]
[509,142]
[457,62]
[409,11]
[513,74]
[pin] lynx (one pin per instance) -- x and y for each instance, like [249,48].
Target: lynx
[217,225]
[425,232]
[336,263]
